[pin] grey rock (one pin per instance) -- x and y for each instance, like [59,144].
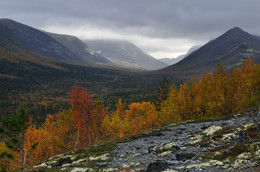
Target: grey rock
[157,166]
[181,156]
[61,162]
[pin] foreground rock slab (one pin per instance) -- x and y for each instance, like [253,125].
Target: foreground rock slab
[224,145]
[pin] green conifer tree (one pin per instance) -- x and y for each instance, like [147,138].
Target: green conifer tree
[161,93]
[14,129]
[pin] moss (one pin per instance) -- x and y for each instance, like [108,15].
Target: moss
[201,120]
[190,155]
[204,142]
[219,148]
[96,150]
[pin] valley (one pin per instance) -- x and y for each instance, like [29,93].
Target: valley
[94,92]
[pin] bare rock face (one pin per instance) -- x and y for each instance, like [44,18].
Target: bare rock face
[224,145]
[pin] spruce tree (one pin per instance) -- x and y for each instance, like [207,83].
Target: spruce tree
[14,129]
[161,93]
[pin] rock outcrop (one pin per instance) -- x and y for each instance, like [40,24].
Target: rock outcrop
[223,145]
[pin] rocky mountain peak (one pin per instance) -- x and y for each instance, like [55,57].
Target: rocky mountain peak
[236,33]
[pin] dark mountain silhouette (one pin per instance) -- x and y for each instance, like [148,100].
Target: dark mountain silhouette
[230,49]
[34,40]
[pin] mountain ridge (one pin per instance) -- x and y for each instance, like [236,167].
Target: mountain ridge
[37,41]
[229,49]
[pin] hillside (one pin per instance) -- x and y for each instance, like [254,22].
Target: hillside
[36,41]
[125,54]
[205,146]
[230,49]
[80,48]
[42,83]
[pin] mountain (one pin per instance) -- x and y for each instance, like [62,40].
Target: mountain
[37,41]
[229,49]
[171,61]
[64,48]
[125,54]
[41,84]
[79,48]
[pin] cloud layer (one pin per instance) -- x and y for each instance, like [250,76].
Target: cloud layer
[165,28]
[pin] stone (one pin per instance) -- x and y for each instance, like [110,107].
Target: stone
[102,164]
[181,156]
[159,134]
[204,127]
[157,166]
[61,162]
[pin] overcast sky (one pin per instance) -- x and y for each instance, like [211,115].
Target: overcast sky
[162,28]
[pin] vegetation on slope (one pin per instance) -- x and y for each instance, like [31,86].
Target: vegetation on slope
[88,122]
[41,84]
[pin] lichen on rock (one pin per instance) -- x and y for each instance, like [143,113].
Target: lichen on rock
[211,130]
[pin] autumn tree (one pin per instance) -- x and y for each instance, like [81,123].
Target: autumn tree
[141,116]
[115,125]
[206,99]
[68,131]
[169,110]
[82,106]
[99,113]
[121,109]
[137,118]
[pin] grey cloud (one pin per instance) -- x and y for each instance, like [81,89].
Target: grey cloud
[165,19]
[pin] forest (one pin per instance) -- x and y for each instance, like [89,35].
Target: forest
[41,85]
[88,121]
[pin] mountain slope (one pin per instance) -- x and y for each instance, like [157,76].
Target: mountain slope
[79,48]
[230,49]
[171,61]
[125,54]
[41,84]
[34,73]
[37,41]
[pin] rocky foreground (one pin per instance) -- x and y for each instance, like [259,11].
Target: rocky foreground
[224,145]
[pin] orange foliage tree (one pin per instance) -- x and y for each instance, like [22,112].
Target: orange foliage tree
[215,95]
[125,122]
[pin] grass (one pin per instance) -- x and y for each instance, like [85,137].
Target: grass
[205,141]
[253,133]
[233,153]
